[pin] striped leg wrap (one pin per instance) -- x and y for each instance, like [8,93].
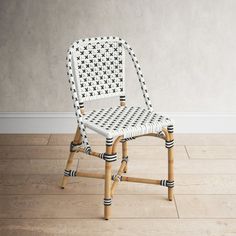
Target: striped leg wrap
[70,173]
[109,141]
[170,129]
[167,183]
[108,157]
[74,146]
[125,159]
[81,105]
[170,144]
[126,139]
[114,177]
[122,98]
[107,201]
[88,150]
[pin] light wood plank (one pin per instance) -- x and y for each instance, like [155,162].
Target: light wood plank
[24,139]
[205,184]
[56,166]
[206,139]
[65,139]
[60,139]
[180,139]
[62,152]
[212,152]
[49,184]
[34,152]
[206,206]
[85,206]
[118,227]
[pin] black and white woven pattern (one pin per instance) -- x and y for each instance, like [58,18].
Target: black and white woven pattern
[123,140]
[70,173]
[109,141]
[170,144]
[170,129]
[127,121]
[100,68]
[108,157]
[167,183]
[95,67]
[122,99]
[107,201]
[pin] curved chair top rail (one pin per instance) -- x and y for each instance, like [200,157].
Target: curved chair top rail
[96,69]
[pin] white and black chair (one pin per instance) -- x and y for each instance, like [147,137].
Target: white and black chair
[96,70]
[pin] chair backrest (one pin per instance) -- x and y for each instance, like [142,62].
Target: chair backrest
[96,69]
[99,68]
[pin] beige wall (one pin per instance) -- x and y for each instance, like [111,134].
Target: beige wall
[187,49]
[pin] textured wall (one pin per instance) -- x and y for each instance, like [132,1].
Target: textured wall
[187,50]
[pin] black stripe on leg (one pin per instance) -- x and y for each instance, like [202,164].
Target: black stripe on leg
[170,129]
[109,141]
[70,173]
[170,144]
[107,201]
[167,183]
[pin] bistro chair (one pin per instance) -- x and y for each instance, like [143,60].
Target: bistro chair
[96,69]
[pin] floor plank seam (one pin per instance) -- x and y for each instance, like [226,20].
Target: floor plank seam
[49,138]
[176,206]
[187,152]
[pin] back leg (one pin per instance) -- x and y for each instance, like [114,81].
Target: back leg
[171,167]
[125,155]
[77,140]
[170,145]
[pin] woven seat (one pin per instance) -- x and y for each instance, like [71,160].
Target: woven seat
[96,69]
[125,121]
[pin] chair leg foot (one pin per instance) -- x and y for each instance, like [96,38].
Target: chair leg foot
[107,212]
[68,166]
[126,168]
[63,182]
[170,194]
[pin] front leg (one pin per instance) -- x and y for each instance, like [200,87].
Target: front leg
[170,146]
[107,191]
[77,140]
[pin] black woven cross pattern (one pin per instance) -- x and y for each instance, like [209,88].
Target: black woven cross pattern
[100,69]
[119,120]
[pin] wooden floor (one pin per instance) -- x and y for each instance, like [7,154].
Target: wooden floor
[31,202]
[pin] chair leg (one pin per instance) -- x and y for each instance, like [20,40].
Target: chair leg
[77,139]
[107,192]
[170,168]
[125,154]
